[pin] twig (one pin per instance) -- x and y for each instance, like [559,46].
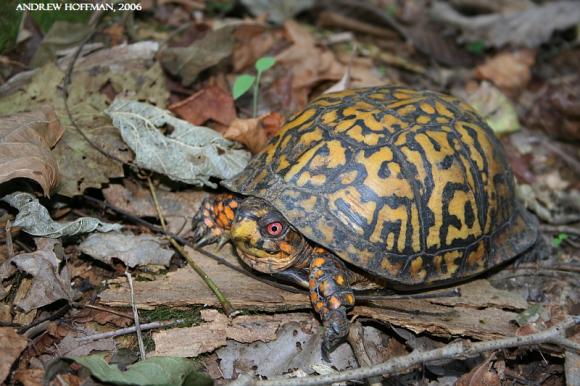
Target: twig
[570,230]
[104,309]
[66,83]
[228,308]
[356,341]
[136,316]
[9,245]
[555,335]
[130,330]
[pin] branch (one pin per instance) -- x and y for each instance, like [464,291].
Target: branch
[554,335]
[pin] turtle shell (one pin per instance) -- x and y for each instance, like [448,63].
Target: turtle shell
[411,186]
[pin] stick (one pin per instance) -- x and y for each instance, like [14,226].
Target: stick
[130,330]
[136,316]
[228,308]
[554,335]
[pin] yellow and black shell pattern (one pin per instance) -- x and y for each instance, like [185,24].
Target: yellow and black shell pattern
[411,186]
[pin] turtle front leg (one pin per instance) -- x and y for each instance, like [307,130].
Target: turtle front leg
[331,296]
[213,221]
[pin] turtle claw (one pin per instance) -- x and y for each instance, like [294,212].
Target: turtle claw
[223,240]
[335,331]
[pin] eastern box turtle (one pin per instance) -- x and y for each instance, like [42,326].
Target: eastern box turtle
[410,187]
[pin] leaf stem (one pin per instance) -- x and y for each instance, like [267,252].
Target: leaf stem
[256,94]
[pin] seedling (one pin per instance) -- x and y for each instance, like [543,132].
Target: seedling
[243,82]
[557,240]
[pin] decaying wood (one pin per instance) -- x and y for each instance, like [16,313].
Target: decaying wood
[482,312]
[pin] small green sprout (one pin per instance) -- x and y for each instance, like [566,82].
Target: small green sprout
[476,47]
[244,82]
[557,240]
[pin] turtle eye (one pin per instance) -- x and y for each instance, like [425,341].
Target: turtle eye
[275,228]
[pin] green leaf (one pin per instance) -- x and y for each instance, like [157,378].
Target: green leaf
[158,371]
[476,47]
[265,63]
[242,84]
[557,240]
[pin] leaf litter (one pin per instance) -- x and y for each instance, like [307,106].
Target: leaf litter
[515,89]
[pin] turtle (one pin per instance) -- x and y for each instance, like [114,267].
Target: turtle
[405,186]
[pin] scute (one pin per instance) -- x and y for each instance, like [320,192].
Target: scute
[411,186]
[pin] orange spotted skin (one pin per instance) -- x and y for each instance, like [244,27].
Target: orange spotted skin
[215,217]
[410,186]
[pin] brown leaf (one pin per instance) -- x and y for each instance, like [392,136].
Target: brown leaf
[254,133]
[29,377]
[556,109]
[509,71]
[254,41]
[25,142]
[308,63]
[12,345]
[211,102]
[49,282]
[489,373]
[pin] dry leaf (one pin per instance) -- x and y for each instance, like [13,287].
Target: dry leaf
[489,373]
[25,142]
[254,133]
[34,219]
[556,110]
[188,62]
[133,250]
[509,71]
[211,102]
[12,345]
[29,377]
[528,28]
[190,154]
[308,64]
[50,282]
[252,42]
[495,107]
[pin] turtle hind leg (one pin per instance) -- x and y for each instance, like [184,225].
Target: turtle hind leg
[213,220]
[331,297]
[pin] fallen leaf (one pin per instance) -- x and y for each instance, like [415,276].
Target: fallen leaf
[555,109]
[12,345]
[528,28]
[137,200]
[72,345]
[496,108]
[29,377]
[25,142]
[188,62]
[50,282]
[35,220]
[253,41]
[126,70]
[61,35]
[308,64]
[509,71]
[211,102]
[489,373]
[278,11]
[165,371]
[297,346]
[190,154]
[255,133]
[218,328]
[133,250]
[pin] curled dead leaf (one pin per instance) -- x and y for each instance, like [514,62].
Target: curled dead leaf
[25,142]
[254,133]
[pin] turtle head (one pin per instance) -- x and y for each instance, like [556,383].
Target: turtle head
[264,239]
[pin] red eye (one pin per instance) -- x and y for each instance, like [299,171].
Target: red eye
[274,228]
